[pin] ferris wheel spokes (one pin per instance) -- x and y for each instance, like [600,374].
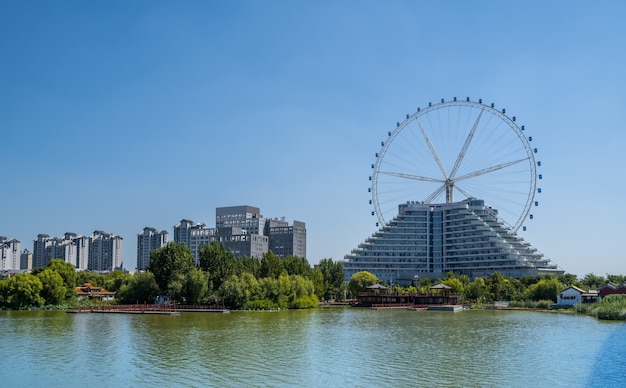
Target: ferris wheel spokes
[435,194]
[413,177]
[432,150]
[489,169]
[468,140]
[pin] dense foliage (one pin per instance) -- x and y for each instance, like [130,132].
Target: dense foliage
[271,282]
[360,281]
[537,291]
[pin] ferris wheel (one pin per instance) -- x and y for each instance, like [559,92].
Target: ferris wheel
[458,149]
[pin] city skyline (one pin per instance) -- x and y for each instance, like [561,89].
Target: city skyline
[117,116]
[152,235]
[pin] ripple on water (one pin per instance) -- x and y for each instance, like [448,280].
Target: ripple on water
[324,347]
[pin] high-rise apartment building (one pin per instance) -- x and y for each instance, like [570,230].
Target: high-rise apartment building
[82,249]
[105,251]
[183,231]
[26,259]
[39,251]
[193,235]
[9,254]
[46,248]
[429,240]
[147,240]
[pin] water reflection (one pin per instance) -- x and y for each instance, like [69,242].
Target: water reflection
[325,347]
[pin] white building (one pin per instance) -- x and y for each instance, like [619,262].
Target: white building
[82,250]
[570,296]
[147,240]
[573,295]
[105,251]
[46,248]
[430,240]
[9,254]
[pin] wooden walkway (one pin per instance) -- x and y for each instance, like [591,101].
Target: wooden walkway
[127,309]
[168,309]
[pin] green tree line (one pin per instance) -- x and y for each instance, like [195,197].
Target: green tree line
[220,277]
[496,287]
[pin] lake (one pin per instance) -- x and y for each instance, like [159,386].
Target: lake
[326,347]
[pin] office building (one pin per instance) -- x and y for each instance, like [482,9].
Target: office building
[245,232]
[244,217]
[286,240]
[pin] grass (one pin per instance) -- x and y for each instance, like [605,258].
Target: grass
[611,307]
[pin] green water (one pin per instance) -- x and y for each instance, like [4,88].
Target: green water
[328,347]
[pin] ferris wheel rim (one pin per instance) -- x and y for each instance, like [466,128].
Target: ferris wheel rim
[489,108]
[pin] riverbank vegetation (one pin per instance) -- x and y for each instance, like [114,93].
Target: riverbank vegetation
[483,290]
[611,307]
[219,279]
[531,292]
[272,283]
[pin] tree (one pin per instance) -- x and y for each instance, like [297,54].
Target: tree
[53,290]
[23,290]
[455,284]
[4,288]
[68,273]
[295,265]
[424,285]
[248,264]
[271,265]
[176,287]
[300,294]
[568,279]
[360,281]
[477,289]
[83,277]
[66,270]
[545,289]
[141,288]
[616,279]
[496,283]
[593,281]
[318,283]
[168,263]
[333,278]
[113,281]
[196,288]
[238,291]
[219,262]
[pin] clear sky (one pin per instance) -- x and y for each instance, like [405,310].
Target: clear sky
[117,115]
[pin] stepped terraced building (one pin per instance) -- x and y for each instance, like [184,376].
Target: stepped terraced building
[429,240]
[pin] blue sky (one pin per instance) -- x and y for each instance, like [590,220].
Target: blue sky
[119,115]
